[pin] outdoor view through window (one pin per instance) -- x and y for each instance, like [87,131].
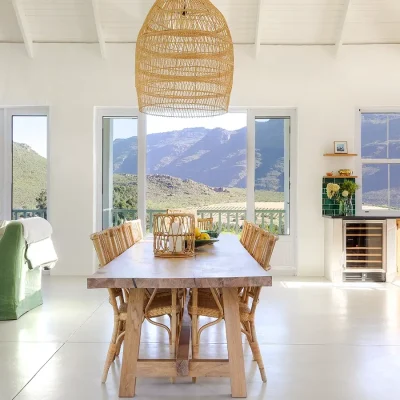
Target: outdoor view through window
[197,164]
[380,152]
[29,174]
[191,164]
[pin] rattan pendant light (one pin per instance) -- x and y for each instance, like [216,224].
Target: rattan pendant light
[184,60]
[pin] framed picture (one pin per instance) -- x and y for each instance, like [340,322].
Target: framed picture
[341,147]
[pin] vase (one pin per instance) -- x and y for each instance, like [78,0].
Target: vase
[341,207]
[348,207]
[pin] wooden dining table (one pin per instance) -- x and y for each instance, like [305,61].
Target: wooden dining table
[225,265]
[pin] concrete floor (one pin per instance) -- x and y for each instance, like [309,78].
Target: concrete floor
[318,342]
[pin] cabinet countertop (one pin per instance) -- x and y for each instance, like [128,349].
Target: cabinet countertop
[360,217]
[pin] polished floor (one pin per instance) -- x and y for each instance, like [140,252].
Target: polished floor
[318,342]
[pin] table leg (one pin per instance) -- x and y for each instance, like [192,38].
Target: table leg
[234,337]
[132,342]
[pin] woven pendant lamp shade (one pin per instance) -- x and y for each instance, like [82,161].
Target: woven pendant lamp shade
[184,60]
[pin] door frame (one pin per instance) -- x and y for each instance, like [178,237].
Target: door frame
[128,112]
[291,238]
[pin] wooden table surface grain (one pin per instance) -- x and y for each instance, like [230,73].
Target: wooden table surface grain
[223,264]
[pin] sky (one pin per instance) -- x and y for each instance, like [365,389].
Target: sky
[32,130]
[125,127]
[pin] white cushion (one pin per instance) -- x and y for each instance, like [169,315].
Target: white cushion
[3,225]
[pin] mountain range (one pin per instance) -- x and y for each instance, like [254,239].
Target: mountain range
[214,157]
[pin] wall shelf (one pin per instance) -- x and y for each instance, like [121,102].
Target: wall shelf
[340,176]
[340,155]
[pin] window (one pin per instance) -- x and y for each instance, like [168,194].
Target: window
[198,164]
[272,173]
[29,166]
[380,159]
[120,170]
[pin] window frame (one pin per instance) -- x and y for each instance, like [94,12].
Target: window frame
[6,149]
[361,161]
[287,242]
[258,113]
[128,112]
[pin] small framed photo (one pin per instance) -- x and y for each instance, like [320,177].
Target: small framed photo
[341,147]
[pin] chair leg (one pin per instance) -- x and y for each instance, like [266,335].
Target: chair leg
[255,348]
[120,330]
[173,322]
[120,340]
[111,350]
[195,343]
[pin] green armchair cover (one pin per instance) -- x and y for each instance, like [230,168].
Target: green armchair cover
[20,286]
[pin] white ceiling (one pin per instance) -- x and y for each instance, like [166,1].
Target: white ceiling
[265,21]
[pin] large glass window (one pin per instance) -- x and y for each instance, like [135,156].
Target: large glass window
[198,164]
[29,162]
[120,170]
[380,155]
[272,174]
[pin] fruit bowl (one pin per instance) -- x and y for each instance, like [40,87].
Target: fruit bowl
[212,234]
[203,242]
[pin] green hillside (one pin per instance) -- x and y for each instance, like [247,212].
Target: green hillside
[164,191]
[29,176]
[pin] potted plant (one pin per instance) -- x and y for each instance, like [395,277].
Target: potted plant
[346,192]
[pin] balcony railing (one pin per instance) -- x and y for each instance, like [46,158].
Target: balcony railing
[22,213]
[224,220]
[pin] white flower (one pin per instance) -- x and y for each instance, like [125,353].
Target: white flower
[332,189]
[345,193]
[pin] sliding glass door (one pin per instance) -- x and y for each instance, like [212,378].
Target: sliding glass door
[272,174]
[119,170]
[231,168]
[271,198]
[198,163]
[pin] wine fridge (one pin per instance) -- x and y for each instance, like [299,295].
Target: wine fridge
[364,250]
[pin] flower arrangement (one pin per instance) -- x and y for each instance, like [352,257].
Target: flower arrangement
[332,189]
[342,194]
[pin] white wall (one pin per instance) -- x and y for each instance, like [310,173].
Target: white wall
[72,79]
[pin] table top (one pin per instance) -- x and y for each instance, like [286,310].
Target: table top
[224,264]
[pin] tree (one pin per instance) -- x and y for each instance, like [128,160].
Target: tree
[41,200]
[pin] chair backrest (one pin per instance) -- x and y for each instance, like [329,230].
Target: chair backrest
[205,224]
[263,250]
[249,235]
[264,247]
[245,232]
[136,232]
[105,245]
[253,238]
[118,240]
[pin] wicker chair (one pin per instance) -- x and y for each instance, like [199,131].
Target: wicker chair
[106,244]
[132,232]
[204,305]
[244,237]
[205,224]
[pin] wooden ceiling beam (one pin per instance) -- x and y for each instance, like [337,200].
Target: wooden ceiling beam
[342,23]
[257,43]
[99,29]
[23,26]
